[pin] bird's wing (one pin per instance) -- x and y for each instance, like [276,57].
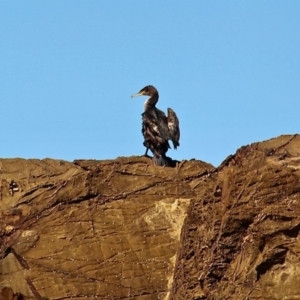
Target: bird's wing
[152,135]
[173,125]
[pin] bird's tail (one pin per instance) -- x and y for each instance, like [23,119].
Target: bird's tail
[162,161]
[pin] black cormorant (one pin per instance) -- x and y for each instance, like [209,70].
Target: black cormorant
[157,128]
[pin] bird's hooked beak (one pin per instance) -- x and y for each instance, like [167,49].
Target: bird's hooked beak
[137,94]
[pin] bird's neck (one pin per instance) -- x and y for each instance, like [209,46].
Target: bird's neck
[151,102]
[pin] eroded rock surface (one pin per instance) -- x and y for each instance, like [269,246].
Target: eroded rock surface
[241,238]
[93,229]
[124,229]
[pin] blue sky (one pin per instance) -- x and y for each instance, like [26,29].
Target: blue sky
[230,70]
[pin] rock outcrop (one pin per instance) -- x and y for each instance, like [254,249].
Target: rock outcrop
[240,239]
[125,229]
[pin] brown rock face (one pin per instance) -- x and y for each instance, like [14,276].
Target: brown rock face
[124,229]
[241,238]
[88,229]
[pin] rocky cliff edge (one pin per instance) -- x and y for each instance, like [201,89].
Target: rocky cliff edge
[124,229]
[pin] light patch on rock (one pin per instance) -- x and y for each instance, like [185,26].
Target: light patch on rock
[169,213]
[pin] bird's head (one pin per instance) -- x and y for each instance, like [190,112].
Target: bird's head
[148,90]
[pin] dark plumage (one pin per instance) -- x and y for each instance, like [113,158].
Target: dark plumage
[157,128]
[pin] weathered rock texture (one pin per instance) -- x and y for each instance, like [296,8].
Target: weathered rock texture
[124,229]
[241,237]
[88,229]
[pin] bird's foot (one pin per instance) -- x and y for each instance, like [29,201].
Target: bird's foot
[146,153]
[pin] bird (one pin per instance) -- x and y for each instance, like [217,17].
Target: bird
[157,128]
